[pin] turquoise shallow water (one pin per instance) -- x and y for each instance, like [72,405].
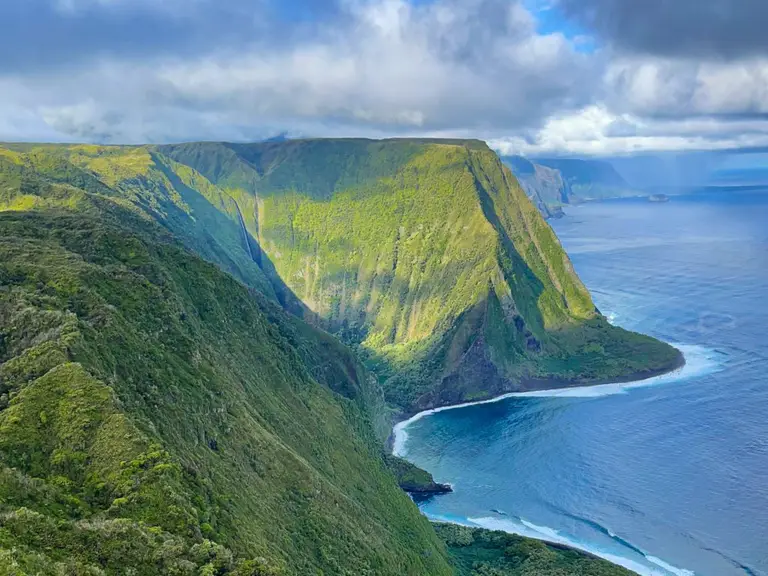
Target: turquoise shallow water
[668,477]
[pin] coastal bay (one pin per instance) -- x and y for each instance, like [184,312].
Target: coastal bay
[650,474]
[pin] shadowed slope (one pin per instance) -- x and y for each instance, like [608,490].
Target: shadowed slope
[430,257]
[161,415]
[156,415]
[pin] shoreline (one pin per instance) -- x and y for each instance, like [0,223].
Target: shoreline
[566,545]
[540,385]
[556,545]
[594,389]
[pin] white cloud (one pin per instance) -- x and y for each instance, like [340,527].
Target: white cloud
[464,68]
[737,88]
[596,131]
[450,65]
[686,87]
[653,104]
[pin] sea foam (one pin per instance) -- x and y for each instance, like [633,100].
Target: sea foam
[528,529]
[699,361]
[669,567]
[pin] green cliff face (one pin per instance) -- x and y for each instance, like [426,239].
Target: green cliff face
[168,416]
[428,256]
[159,417]
[424,255]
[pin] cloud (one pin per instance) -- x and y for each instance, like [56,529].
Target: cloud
[448,65]
[699,29]
[671,87]
[508,71]
[596,131]
[383,66]
[49,35]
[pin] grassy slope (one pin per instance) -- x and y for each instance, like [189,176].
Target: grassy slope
[198,213]
[157,415]
[483,553]
[429,257]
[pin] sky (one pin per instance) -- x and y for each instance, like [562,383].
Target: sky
[537,77]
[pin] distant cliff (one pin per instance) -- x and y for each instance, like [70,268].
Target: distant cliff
[545,186]
[591,179]
[553,182]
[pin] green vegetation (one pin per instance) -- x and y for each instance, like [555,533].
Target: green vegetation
[157,417]
[429,259]
[425,256]
[483,553]
[168,401]
[414,480]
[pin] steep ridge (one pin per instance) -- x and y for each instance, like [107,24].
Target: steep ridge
[545,186]
[428,257]
[159,417]
[552,183]
[590,179]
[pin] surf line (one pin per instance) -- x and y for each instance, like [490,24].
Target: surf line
[528,529]
[698,362]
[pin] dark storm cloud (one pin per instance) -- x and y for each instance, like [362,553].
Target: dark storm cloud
[727,29]
[45,34]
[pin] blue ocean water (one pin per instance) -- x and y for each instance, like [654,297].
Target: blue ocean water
[670,477]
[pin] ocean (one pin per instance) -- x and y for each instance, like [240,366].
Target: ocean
[665,477]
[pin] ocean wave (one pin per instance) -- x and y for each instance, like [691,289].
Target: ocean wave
[699,361]
[625,543]
[522,527]
[603,530]
[669,567]
[743,567]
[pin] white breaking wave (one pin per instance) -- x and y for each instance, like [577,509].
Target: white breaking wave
[545,531]
[699,361]
[669,567]
[546,534]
